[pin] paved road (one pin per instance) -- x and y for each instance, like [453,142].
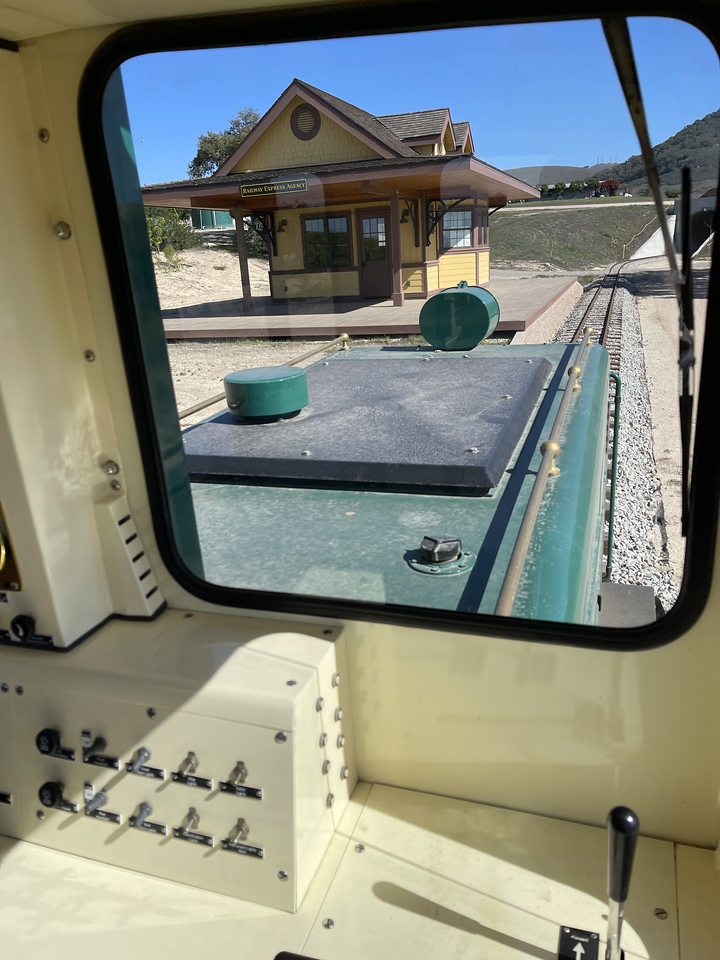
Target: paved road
[519,211]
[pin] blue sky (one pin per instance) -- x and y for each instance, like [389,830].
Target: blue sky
[534,94]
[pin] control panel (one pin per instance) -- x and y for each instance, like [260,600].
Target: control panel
[225,766]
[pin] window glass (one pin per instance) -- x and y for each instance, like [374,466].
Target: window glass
[395,478]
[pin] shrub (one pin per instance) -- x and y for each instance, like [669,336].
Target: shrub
[167,226]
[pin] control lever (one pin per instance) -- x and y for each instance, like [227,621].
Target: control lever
[99,800]
[141,757]
[144,811]
[97,746]
[623,828]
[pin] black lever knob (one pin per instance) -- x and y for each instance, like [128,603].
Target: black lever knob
[97,746]
[623,829]
[48,741]
[23,626]
[50,794]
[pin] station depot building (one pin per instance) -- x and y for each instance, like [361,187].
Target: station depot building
[355,207]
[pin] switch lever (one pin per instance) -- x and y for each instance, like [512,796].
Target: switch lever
[141,758]
[99,800]
[623,828]
[144,811]
[97,746]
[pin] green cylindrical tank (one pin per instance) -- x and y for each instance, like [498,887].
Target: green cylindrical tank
[266,391]
[459,318]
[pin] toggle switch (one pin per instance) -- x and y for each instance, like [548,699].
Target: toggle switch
[98,800]
[239,774]
[191,819]
[144,811]
[97,746]
[239,832]
[189,764]
[141,758]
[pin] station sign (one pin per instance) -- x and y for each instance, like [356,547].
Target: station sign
[274,187]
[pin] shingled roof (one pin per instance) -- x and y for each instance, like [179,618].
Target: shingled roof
[459,130]
[362,119]
[421,123]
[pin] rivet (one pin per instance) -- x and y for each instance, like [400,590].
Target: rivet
[307,453]
[345,773]
[472,450]
[328,924]
[151,712]
[326,767]
[341,740]
[62,230]
[336,680]
[291,683]
[19,690]
[110,468]
[660,913]
[323,739]
[359,848]
[115,485]
[280,737]
[507,396]
[330,800]
[89,356]
[338,713]
[4,687]
[40,814]
[282,876]
[43,134]
[319,704]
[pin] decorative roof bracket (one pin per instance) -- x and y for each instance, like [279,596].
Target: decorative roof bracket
[435,210]
[411,211]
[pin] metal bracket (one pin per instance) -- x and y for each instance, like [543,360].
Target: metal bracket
[411,211]
[435,210]
[264,226]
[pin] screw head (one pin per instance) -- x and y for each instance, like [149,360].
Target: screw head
[281,737]
[187,616]
[340,740]
[151,712]
[328,924]
[292,683]
[282,876]
[319,704]
[40,814]
[344,773]
[89,356]
[4,687]
[43,135]
[62,230]
[339,713]
[115,485]
[660,913]
[307,453]
[336,680]
[110,468]
[359,848]
[19,690]
[330,800]
[323,739]
[326,767]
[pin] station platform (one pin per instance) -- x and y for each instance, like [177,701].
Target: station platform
[530,308]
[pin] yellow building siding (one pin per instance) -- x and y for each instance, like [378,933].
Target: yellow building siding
[335,284]
[279,147]
[413,280]
[484,266]
[457,267]
[433,275]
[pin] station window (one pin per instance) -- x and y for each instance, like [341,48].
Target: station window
[326,241]
[457,229]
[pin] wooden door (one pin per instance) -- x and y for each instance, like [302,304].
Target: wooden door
[375,259]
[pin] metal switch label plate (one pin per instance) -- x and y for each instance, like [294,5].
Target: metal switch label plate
[67,807]
[98,760]
[190,781]
[240,790]
[153,773]
[578,944]
[108,817]
[244,849]
[180,833]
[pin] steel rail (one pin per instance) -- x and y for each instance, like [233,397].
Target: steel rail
[202,404]
[549,449]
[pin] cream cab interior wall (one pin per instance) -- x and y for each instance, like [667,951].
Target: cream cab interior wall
[548,730]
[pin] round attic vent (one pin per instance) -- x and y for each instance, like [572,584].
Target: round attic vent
[305,122]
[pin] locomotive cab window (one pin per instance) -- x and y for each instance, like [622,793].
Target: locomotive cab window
[387,368]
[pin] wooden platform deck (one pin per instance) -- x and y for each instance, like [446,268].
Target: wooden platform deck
[523,304]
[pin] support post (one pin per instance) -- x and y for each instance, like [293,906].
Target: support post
[398,294]
[247,299]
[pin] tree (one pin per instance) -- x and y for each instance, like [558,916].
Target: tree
[612,187]
[576,186]
[214,148]
[543,188]
[558,188]
[593,185]
[168,227]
